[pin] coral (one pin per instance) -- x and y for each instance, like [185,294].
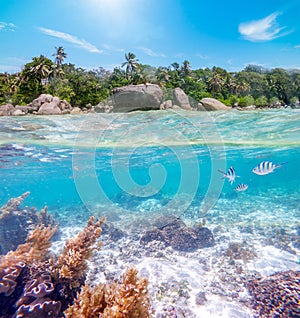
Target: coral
[34,301]
[34,285]
[173,231]
[277,295]
[8,278]
[44,309]
[72,262]
[35,249]
[89,303]
[16,223]
[15,269]
[237,250]
[128,299]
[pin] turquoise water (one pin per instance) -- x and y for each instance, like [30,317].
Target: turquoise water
[149,163]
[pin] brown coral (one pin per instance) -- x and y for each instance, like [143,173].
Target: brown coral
[72,262]
[90,303]
[35,249]
[277,295]
[128,299]
[32,286]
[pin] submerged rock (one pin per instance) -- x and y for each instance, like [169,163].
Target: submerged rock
[180,237]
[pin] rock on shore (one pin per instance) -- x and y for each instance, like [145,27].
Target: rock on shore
[45,104]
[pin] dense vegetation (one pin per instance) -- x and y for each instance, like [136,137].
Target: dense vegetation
[253,85]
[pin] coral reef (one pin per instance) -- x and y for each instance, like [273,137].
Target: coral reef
[277,295]
[173,231]
[238,250]
[35,249]
[16,223]
[16,269]
[126,299]
[33,284]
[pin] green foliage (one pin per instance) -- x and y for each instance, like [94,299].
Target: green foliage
[294,100]
[273,101]
[253,85]
[261,101]
[246,101]
[233,100]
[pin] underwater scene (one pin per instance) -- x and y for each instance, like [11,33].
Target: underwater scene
[204,205]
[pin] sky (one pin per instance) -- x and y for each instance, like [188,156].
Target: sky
[97,33]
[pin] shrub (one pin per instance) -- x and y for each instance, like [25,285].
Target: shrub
[261,101]
[246,101]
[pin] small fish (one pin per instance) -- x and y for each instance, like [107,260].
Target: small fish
[230,174]
[266,167]
[241,187]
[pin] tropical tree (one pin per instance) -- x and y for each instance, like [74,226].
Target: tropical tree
[162,75]
[33,77]
[175,66]
[131,64]
[280,84]
[185,68]
[41,67]
[216,82]
[60,55]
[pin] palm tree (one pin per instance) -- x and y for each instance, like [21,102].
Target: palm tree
[41,68]
[175,66]
[60,55]
[131,63]
[186,68]
[163,75]
[215,82]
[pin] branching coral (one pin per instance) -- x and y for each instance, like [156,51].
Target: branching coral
[72,262]
[35,249]
[277,295]
[128,299]
[90,303]
[16,222]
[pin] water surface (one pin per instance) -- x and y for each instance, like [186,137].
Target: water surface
[149,163]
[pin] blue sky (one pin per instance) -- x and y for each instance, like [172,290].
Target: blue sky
[230,34]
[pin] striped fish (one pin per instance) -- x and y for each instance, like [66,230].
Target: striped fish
[241,187]
[230,174]
[266,167]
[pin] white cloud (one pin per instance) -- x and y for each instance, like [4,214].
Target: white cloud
[7,26]
[297,46]
[149,52]
[72,39]
[265,29]
[203,57]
